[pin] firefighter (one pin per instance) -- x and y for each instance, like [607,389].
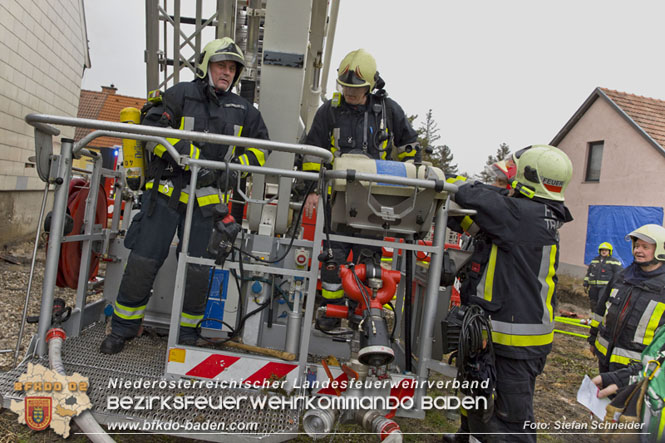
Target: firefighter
[631,307]
[512,277]
[502,173]
[652,414]
[205,104]
[360,120]
[600,272]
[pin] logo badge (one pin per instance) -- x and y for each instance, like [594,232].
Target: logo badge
[38,412]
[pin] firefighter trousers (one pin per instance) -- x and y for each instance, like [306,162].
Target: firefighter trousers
[149,238]
[594,294]
[513,403]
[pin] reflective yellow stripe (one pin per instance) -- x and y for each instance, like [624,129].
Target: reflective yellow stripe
[212,199]
[311,167]
[159,150]
[331,295]
[194,152]
[403,155]
[550,282]
[522,340]
[661,425]
[654,321]
[466,222]
[620,359]
[601,348]
[594,323]
[190,321]
[127,312]
[489,278]
[260,156]
[168,191]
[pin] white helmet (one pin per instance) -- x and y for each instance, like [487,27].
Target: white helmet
[654,234]
[218,50]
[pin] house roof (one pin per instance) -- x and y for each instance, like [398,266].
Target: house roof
[105,105]
[646,115]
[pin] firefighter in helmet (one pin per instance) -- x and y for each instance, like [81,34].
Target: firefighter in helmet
[359,120]
[631,306]
[502,173]
[512,277]
[206,104]
[600,272]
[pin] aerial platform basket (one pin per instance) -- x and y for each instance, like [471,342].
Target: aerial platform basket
[396,205]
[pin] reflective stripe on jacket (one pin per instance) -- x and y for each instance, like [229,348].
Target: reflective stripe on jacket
[631,314]
[341,130]
[512,271]
[195,106]
[601,270]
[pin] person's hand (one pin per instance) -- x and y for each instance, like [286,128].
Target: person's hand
[311,202]
[592,350]
[604,392]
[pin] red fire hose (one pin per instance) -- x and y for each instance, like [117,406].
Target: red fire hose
[70,253]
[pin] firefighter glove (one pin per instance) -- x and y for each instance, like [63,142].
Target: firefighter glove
[225,231]
[206,177]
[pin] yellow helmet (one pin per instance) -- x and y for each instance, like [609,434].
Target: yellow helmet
[218,50]
[357,69]
[542,171]
[654,234]
[605,245]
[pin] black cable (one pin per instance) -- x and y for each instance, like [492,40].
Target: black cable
[317,325]
[293,237]
[361,286]
[475,353]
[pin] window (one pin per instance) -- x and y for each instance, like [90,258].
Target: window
[594,160]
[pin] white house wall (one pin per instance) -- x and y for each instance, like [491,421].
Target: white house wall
[42,53]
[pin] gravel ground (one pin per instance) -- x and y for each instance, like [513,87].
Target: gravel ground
[14,277]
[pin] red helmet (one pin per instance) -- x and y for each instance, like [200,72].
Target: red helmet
[503,170]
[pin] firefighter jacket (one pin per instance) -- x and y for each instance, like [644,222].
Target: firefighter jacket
[653,412]
[601,270]
[195,106]
[627,315]
[512,271]
[371,129]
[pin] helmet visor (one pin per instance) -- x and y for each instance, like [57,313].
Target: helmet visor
[641,236]
[351,79]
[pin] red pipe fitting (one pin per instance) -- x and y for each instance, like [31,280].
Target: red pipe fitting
[384,294]
[337,311]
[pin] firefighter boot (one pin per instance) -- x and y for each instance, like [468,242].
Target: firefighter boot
[188,336]
[112,344]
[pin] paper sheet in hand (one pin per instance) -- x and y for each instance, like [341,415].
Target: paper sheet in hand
[587,396]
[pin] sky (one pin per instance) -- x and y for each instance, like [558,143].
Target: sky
[492,72]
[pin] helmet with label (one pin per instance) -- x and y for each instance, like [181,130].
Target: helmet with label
[542,171]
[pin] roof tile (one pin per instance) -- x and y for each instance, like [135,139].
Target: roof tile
[103,106]
[648,113]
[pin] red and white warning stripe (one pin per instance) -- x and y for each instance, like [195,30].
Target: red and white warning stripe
[251,370]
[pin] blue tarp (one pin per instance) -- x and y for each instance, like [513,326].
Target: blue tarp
[612,223]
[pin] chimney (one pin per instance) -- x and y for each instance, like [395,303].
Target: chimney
[109,89]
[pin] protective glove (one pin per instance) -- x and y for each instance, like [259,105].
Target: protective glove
[206,177]
[225,230]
